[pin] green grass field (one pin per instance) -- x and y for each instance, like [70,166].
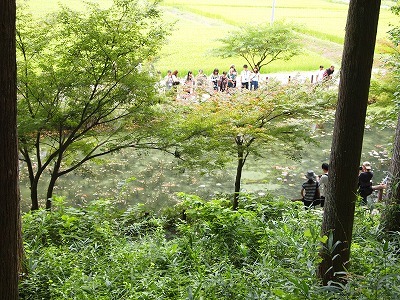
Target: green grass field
[198,24]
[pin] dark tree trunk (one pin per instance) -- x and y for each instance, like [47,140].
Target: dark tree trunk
[49,194]
[54,176]
[239,170]
[34,194]
[348,135]
[392,211]
[33,181]
[50,190]
[9,192]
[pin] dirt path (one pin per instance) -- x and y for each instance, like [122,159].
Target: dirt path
[332,51]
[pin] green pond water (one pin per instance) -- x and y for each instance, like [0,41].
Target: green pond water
[157,177]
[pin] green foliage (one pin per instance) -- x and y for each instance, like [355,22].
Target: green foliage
[85,85]
[261,45]
[241,124]
[276,120]
[382,108]
[267,249]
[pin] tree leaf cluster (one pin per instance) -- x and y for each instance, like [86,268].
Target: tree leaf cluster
[260,44]
[278,120]
[85,82]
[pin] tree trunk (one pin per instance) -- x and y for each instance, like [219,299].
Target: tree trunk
[50,190]
[9,191]
[238,179]
[348,135]
[34,194]
[394,190]
[391,217]
[53,179]
[33,181]
[240,163]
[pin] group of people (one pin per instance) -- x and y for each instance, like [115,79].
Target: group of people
[313,191]
[246,79]
[221,82]
[324,74]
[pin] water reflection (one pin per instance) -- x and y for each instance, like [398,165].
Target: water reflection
[155,178]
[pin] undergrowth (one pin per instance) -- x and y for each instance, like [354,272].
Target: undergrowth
[267,249]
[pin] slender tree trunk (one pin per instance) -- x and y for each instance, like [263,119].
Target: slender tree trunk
[239,170]
[33,181]
[50,189]
[34,194]
[9,190]
[53,179]
[348,135]
[392,211]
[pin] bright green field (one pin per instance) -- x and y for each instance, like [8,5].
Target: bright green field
[198,24]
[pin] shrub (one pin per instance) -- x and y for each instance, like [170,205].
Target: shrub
[267,249]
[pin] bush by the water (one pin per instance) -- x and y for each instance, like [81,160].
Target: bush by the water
[267,249]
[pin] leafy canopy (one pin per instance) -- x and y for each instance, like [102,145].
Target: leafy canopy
[260,45]
[276,120]
[85,83]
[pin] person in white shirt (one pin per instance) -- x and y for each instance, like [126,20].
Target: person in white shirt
[323,182]
[245,77]
[255,78]
[169,81]
[214,78]
[320,74]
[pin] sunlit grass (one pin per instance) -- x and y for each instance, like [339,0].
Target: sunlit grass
[192,40]
[40,8]
[200,23]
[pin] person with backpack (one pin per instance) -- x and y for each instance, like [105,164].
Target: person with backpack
[310,191]
[323,182]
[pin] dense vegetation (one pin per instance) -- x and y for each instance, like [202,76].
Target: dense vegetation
[268,249]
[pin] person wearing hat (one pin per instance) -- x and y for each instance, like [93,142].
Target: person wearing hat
[310,191]
[365,182]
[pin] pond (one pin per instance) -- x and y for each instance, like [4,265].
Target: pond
[154,178]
